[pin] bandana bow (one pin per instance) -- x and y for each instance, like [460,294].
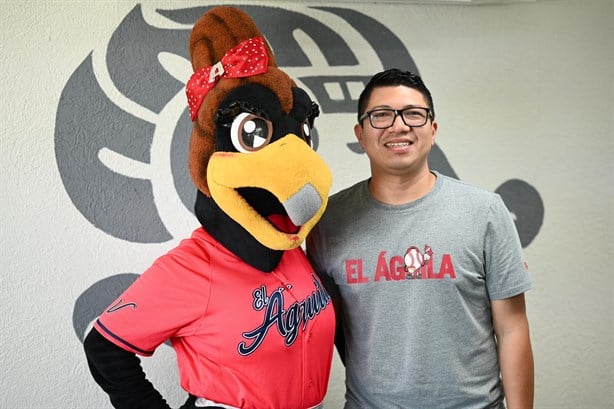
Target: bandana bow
[246,59]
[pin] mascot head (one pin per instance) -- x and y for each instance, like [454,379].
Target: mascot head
[250,153]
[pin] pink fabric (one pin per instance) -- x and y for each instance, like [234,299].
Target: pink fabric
[243,337]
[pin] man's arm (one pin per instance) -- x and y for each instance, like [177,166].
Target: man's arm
[515,353]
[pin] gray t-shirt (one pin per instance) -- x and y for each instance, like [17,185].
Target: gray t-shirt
[416,283]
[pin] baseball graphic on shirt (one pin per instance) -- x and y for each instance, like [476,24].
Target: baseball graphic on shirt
[413,259]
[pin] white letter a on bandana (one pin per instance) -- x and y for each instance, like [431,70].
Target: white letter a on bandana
[216,71]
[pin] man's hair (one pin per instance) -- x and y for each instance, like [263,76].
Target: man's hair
[392,77]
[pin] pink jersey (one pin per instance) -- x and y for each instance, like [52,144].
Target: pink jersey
[243,337]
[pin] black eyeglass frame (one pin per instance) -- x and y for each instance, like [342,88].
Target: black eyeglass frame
[397,112]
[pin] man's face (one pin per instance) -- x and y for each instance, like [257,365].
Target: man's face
[400,149]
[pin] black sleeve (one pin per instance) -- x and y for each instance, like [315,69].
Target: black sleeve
[340,342]
[120,375]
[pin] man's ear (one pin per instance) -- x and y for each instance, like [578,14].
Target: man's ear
[358,133]
[434,127]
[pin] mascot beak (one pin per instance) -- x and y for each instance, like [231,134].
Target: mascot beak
[287,168]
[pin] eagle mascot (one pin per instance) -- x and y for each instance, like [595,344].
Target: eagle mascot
[250,322]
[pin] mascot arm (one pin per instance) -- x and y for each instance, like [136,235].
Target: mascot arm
[339,334]
[340,343]
[120,375]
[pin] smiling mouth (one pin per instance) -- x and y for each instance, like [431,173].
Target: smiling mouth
[398,144]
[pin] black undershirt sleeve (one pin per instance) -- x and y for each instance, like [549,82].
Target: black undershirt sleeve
[120,375]
[340,343]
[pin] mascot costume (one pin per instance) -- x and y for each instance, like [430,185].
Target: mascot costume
[250,322]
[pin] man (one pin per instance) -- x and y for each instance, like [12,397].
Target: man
[426,272]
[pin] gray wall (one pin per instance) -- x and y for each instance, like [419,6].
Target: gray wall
[94,184]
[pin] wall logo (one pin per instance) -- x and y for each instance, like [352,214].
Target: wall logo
[122,125]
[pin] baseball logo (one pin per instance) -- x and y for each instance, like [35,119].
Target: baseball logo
[413,259]
[123,126]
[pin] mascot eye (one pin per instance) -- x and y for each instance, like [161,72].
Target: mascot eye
[250,132]
[306,133]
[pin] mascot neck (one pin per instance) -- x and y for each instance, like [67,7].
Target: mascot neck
[235,238]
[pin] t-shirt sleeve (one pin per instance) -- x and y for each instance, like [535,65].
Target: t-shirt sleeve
[166,301]
[507,273]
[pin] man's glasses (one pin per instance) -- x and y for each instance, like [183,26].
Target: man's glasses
[383,118]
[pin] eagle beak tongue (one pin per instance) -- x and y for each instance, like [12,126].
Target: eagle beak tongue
[303,205]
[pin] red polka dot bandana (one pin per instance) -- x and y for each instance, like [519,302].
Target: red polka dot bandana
[246,59]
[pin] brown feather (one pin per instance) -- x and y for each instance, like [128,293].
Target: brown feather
[215,33]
